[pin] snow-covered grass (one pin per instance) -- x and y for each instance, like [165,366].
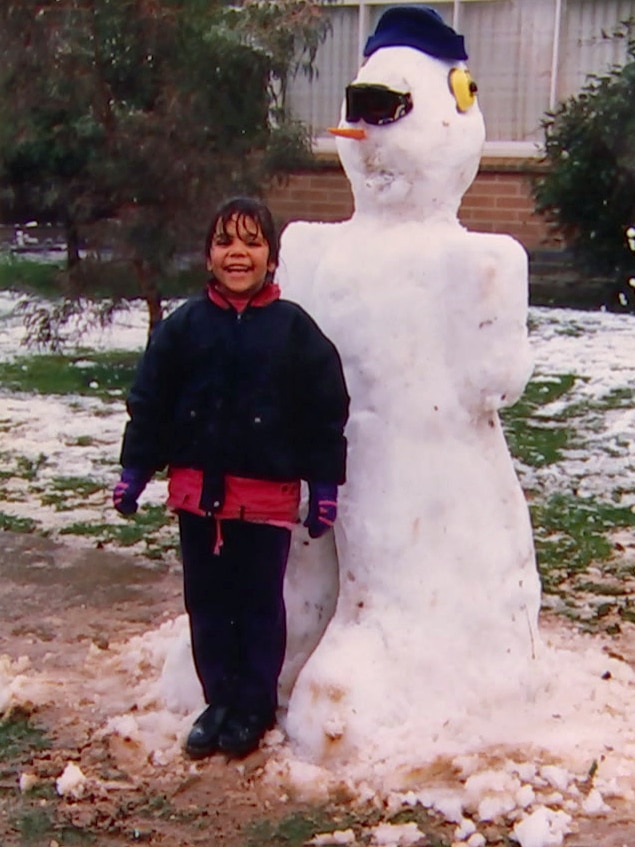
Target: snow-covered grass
[572,435]
[62,420]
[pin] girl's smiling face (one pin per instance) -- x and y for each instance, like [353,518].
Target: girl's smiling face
[239,257]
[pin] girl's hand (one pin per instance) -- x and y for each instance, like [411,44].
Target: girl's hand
[126,493]
[322,508]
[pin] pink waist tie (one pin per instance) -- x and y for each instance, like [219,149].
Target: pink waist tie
[219,537]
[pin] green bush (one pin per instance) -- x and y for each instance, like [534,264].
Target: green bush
[588,187]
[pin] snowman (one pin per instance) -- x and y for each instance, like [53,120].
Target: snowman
[439,594]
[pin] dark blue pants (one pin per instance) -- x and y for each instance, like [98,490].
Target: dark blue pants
[236,608]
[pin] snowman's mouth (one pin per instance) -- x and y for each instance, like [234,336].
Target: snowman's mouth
[376,104]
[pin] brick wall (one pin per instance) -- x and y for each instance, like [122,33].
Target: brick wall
[321,194]
[499,200]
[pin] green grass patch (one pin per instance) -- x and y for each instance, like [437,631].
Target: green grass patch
[30,277]
[158,806]
[65,491]
[80,485]
[9,495]
[158,550]
[538,440]
[141,527]
[82,441]
[27,468]
[571,533]
[297,829]
[16,524]
[38,825]
[93,278]
[617,398]
[19,737]
[601,589]
[89,374]
[35,825]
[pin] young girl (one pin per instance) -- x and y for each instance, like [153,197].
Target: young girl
[241,395]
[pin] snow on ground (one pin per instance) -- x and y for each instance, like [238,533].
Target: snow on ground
[127,332]
[599,348]
[68,436]
[569,751]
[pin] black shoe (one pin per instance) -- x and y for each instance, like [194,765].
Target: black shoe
[241,735]
[203,738]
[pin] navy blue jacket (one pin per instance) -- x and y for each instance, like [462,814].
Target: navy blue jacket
[258,394]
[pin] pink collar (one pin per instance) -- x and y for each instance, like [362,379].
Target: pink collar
[263,297]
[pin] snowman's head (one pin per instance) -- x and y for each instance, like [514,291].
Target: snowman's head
[411,132]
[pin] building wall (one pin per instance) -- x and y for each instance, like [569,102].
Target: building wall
[499,200]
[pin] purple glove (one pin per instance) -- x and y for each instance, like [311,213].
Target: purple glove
[128,490]
[322,508]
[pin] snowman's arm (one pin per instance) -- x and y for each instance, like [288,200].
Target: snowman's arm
[502,362]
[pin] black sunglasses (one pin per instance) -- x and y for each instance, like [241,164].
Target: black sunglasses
[376,104]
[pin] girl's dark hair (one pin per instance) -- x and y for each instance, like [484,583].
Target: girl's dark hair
[245,207]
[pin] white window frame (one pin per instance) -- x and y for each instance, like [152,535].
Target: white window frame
[555,55]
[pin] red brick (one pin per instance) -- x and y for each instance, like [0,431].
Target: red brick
[520,203]
[508,187]
[498,201]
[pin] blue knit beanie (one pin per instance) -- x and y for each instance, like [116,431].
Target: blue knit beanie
[419,27]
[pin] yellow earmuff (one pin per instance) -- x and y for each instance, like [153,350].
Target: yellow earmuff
[463,88]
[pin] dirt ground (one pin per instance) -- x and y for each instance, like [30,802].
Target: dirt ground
[56,600]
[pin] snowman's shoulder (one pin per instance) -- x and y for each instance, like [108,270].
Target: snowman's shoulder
[496,266]
[302,245]
[298,236]
[486,248]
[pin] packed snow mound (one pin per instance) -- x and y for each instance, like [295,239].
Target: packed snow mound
[21,687]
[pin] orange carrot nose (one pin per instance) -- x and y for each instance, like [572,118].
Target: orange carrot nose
[348,132]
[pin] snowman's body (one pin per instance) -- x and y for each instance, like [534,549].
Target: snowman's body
[436,560]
